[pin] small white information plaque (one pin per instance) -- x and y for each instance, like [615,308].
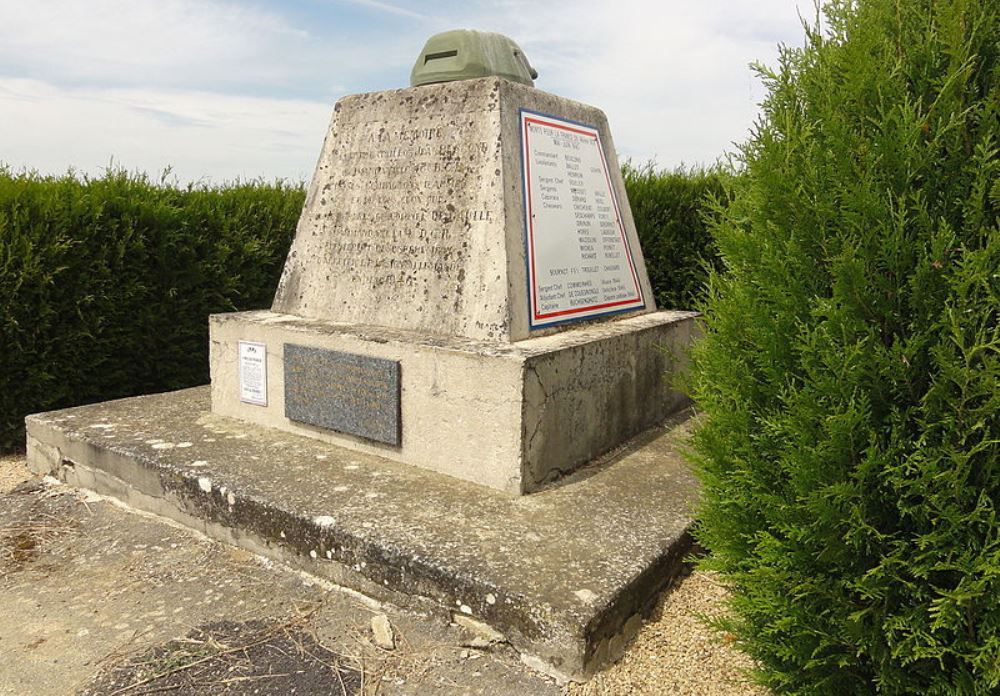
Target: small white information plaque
[253,373]
[580,265]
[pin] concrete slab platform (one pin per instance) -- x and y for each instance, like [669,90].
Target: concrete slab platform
[93,594]
[565,574]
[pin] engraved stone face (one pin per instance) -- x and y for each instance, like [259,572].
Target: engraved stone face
[349,393]
[403,226]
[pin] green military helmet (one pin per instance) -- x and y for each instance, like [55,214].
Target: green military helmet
[463,54]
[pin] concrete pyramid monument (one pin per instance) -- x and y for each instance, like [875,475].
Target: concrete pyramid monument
[465,293]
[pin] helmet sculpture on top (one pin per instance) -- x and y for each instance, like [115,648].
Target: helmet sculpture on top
[464,54]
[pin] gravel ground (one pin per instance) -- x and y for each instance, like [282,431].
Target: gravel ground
[675,653]
[13,471]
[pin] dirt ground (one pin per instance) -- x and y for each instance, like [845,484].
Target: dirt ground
[95,599]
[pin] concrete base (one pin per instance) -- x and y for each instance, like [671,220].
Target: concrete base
[513,417]
[564,574]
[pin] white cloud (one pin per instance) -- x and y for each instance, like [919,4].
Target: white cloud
[388,7]
[224,88]
[200,135]
[214,45]
[673,76]
[142,42]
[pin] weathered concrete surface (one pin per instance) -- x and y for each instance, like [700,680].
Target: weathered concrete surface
[415,216]
[411,250]
[563,573]
[92,586]
[509,416]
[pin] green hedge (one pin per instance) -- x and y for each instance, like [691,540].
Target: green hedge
[850,369]
[670,210]
[106,284]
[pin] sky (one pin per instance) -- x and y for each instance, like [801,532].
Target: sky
[218,90]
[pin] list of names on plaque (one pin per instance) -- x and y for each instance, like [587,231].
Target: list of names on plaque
[580,265]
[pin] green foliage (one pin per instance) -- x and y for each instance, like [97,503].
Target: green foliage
[849,372]
[670,211]
[106,284]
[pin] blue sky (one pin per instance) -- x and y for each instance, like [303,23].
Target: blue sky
[218,89]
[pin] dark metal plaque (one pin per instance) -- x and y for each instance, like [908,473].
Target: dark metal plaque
[349,393]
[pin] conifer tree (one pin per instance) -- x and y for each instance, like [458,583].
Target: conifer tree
[849,369]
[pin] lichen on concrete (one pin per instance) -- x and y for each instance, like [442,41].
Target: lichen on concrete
[560,573]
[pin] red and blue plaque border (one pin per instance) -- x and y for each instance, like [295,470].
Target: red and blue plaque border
[537,319]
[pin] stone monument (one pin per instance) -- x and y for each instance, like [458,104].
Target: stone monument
[465,298]
[466,292]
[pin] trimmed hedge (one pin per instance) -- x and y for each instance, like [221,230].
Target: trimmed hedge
[850,366]
[670,211]
[106,284]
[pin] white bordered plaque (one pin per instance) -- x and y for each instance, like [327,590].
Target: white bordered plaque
[253,373]
[580,264]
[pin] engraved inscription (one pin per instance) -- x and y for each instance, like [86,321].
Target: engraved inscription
[402,210]
[349,393]
[403,226]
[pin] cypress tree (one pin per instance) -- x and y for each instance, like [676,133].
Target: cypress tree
[848,373]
